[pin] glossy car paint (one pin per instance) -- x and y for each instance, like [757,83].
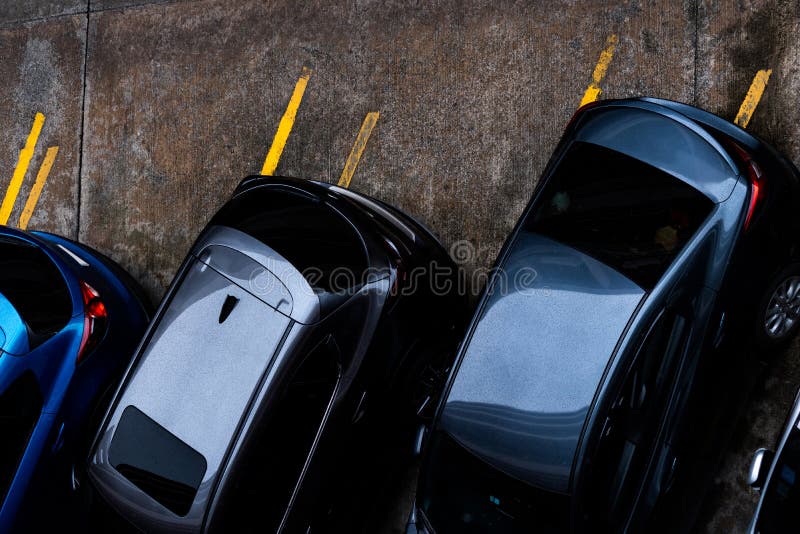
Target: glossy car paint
[211,377]
[504,407]
[713,286]
[70,393]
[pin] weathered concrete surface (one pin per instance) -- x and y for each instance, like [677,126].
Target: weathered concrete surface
[183,98]
[21,10]
[41,66]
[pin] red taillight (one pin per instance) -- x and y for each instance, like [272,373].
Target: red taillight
[755,176]
[755,196]
[95,320]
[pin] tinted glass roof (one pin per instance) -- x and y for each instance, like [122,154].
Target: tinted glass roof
[535,359]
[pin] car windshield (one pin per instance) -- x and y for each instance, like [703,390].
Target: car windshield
[629,215]
[34,286]
[459,493]
[782,497]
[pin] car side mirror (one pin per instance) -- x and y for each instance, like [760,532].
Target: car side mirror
[759,468]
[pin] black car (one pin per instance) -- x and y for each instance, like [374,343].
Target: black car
[600,376]
[286,364]
[776,475]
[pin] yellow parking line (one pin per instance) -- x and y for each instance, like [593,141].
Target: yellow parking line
[21,169]
[593,91]
[751,100]
[38,186]
[285,126]
[358,148]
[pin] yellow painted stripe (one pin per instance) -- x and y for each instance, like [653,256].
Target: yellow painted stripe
[21,169]
[285,126]
[593,91]
[38,186]
[358,148]
[753,97]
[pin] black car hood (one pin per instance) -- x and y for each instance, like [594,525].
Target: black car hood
[535,359]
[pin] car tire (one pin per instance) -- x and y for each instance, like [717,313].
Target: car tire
[778,312]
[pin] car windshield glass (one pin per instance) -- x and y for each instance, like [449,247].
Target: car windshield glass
[627,214]
[782,497]
[317,240]
[459,493]
[34,286]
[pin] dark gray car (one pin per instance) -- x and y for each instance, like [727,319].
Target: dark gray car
[596,393]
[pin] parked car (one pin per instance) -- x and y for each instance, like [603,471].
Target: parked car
[70,319]
[775,475]
[306,321]
[598,394]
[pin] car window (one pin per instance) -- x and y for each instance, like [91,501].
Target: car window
[460,493]
[156,461]
[284,441]
[34,286]
[617,468]
[782,495]
[20,405]
[631,216]
[312,236]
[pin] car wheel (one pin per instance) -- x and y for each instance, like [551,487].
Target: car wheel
[779,312]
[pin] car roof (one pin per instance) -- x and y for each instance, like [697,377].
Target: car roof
[13,333]
[537,353]
[664,138]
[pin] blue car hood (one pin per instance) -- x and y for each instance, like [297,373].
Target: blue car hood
[535,359]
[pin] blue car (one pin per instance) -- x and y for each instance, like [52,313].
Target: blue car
[70,320]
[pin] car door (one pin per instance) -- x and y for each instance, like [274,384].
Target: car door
[633,422]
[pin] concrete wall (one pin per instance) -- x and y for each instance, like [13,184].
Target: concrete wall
[160,108]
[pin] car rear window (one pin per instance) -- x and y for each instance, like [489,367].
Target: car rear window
[629,215]
[460,493]
[782,497]
[34,286]
[156,461]
[316,239]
